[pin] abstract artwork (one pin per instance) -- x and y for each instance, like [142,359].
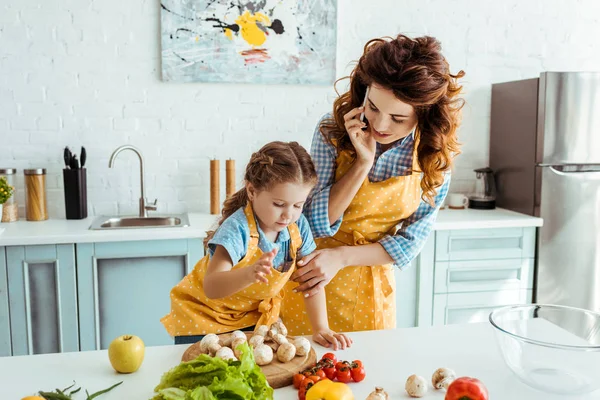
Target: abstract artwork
[249,41]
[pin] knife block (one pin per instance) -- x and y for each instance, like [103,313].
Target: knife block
[75,185]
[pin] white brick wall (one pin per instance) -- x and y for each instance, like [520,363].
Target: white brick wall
[81,72]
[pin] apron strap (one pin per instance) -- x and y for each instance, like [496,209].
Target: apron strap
[270,308]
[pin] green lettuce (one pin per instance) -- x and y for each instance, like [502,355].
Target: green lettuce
[211,378]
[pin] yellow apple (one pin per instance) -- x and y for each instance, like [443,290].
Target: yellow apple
[126,353]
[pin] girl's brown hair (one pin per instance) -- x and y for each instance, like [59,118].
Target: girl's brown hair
[418,74]
[274,163]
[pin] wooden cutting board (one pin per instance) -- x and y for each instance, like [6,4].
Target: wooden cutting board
[278,374]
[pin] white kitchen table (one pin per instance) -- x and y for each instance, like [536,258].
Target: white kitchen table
[389,358]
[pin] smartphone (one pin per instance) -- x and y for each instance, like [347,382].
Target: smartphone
[364,104]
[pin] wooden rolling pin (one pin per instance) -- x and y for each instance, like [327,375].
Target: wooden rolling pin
[229,178]
[214,187]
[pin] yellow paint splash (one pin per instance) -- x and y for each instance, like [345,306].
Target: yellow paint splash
[229,33]
[249,29]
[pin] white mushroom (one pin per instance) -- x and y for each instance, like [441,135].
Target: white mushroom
[272,332]
[416,386]
[302,346]
[261,330]
[442,378]
[256,341]
[213,348]
[207,341]
[225,353]
[238,335]
[378,394]
[280,327]
[273,345]
[263,354]
[280,339]
[235,344]
[226,340]
[286,352]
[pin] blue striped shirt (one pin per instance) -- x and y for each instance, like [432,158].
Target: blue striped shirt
[408,242]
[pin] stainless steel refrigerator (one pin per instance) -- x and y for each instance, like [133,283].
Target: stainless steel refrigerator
[545,151]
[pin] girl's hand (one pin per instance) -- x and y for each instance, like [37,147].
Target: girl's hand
[262,267]
[316,270]
[326,337]
[363,141]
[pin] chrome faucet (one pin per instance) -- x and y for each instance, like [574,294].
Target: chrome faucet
[143,206]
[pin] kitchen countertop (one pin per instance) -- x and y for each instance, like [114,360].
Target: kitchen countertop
[389,358]
[57,231]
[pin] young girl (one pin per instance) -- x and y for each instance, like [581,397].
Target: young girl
[253,253]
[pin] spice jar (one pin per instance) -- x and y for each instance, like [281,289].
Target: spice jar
[10,209]
[35,194]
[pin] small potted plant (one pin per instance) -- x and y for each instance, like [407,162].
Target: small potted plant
[6,191]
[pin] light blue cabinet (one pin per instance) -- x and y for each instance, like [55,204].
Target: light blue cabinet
[5,345]
[124,288]
[478,270]
[42,299]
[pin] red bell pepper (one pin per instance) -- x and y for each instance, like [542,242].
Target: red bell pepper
[466,388]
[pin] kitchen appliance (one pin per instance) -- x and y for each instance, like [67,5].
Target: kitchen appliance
[545,150]
[484,196]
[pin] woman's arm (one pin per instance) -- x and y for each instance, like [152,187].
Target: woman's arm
[408,242]
[329,199]
[322,265]
[316,308]
[221,280]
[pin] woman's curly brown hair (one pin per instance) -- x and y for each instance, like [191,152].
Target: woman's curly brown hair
[419,75]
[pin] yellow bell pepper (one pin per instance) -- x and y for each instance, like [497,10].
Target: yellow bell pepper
[329,390]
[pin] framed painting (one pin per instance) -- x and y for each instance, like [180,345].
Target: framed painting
[252,41]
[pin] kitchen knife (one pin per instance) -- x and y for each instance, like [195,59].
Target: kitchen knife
[74,162]
[67,157]
[83,156]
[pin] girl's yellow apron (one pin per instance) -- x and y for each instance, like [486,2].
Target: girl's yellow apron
[361,297]
[192,313]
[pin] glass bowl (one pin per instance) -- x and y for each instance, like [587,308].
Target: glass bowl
[552,348]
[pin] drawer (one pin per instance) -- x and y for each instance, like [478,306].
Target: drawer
[485,244]
[461,308]
[483,275]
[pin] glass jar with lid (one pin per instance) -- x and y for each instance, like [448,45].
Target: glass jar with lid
[35,194]
[10,209]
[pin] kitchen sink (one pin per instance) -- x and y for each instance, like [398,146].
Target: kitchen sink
[133,222]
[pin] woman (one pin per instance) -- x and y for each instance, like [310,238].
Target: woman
[381,182]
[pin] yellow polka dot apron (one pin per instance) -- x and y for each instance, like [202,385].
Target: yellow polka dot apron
[192,313]
[361,297]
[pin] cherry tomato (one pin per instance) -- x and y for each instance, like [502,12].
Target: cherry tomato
[329,372]
[298,378]
[302,394]
[358,374]
[358,363]
[341,364]
[330,356]
[344,375]
[309,381]
[320,373]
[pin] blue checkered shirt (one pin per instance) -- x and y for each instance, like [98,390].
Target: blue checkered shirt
[408,242]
